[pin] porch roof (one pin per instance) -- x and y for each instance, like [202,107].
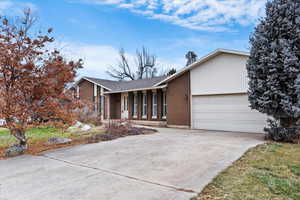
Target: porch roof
[126,86]
[136,89]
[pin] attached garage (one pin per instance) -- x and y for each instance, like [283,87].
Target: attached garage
[218,93]
[219,99]
[226,113]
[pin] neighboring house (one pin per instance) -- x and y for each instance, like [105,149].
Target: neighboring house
[209,94]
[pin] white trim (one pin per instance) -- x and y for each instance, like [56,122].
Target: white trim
[77,91]
[135,105]
[156,105]
[202,60]
[144,103]
[164,105]
[95,90]
[124,106]
[104,103]
[135,90]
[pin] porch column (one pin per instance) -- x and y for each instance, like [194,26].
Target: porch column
[102,99]
[154,105]
[77,92]
[108,107]
[95,98]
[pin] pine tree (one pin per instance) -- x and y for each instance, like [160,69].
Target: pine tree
[274,63]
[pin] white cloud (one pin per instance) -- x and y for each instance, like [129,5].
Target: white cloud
[5,4]
[209,15]
[12,8]
[98,58]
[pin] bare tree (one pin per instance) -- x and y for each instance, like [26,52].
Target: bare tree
[33,79]
[26,22]
[144,66]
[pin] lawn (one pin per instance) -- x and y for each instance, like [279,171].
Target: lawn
[38,137]
[34,135]
[267,172]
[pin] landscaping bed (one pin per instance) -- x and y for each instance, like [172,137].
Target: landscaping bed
[269,171]
[40,138]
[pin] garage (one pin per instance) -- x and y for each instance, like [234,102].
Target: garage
[226,113]
[215,96]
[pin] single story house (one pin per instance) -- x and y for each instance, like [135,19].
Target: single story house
[209,94]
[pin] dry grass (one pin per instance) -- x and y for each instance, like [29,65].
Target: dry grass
[39,136]
[267,172]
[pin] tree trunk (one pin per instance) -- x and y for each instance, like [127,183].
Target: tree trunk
[20,135]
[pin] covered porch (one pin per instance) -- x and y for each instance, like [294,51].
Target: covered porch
[146,106]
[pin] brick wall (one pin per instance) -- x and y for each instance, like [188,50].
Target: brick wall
[178,101]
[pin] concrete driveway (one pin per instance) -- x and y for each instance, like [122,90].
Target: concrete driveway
[172,164]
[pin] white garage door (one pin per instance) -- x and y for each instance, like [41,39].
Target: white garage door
[226,113]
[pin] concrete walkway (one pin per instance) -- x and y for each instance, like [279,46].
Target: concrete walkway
[172,164]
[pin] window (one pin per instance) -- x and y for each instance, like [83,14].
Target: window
[94,104]
[164,104]
[101,104]
[135,101]
[144,112]
[154,105]
[124,103]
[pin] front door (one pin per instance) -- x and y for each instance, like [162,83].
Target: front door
[124,105]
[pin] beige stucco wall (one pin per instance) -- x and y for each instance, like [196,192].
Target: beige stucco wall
[223,74]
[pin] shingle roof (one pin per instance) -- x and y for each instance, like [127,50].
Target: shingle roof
[127,85]
[112,85]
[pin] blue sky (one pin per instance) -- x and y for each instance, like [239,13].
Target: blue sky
[95,29]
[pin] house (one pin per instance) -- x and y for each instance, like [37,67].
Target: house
[209,94]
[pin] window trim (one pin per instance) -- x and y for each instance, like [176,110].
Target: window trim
[164,105]
[135,105]
[154,105]
[101,106]
[144,105]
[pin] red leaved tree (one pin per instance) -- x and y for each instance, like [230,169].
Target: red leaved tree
[33,80]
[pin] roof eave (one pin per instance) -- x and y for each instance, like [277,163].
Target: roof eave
[200,61]
[85,78]
[137,89]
